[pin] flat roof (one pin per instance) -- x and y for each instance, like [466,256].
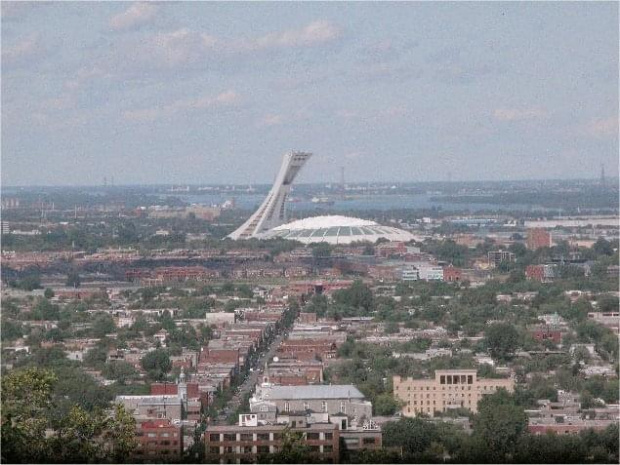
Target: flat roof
[236,428]
[339,391]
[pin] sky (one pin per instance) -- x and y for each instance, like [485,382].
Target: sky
[216,93]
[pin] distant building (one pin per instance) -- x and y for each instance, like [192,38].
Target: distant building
[497,257]
[538,238]
[333,399]
[452,274]
[451,389]
[540,273]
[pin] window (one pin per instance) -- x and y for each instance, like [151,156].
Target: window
[306,407]
[228,450]
[262,449]
[368,441]
[329,436]
[328,448]
[151,435]
[343,407]
[247,437]
[442,379]
[324,406]
[313,436]
[314,449]
[247,449]
[287,406]
[165,435]
[277,436]
[230,437]
[262,437]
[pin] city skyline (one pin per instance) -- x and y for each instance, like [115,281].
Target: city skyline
[203,93]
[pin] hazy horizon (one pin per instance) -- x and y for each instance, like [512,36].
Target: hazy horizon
[215,93]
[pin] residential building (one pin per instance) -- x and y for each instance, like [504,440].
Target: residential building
[247,441]
[158,440]
[540,273]
[538,238]
[451,389]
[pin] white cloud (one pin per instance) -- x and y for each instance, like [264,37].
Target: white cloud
[83,76]
[26,48]
[224,99]
[519,114]
[135,16]
[271,120]
[317,32]
[603,127]
[186,47]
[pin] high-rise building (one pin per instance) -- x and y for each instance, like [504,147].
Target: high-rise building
[537,238]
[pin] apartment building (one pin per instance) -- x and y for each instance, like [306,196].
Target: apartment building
[247,441]
[158,440]
[451,389]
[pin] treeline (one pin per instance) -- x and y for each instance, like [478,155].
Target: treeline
[499,435]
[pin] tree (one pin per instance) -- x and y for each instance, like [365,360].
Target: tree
[500,423]
[120,371]
[157,363]
[501,339]
[358,296]
[93,437]
[73,279]
[385,404]
[603,247]
[608,303]
[293,450]
[321,250]
[49,293]
[95,357]
[11,330]
[413,435]
[26,395]
[103,324]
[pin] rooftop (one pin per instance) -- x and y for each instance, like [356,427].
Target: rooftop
[343,391]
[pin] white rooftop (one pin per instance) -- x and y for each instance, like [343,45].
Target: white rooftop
[341,391]
[337,229]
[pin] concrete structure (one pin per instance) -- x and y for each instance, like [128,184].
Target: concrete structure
[272,212]
[496,257]
[451,389]
[220,318]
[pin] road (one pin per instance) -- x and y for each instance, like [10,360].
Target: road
[254,376]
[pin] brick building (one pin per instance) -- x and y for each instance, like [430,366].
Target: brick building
[452,274]
[247,441]
[158,440]
[537,238]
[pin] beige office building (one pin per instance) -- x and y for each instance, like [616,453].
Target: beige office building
[451,389]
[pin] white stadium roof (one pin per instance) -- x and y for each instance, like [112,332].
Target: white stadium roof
[336,229]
